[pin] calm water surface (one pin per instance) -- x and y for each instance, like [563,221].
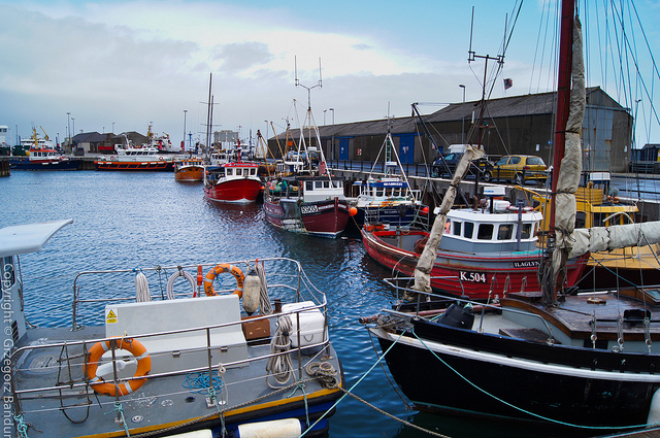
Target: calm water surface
[130,220]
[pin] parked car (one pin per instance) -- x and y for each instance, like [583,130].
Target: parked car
[483,166]
[520,168]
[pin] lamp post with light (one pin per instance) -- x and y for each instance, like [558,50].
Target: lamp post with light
[463,117]
[185,112]
[332,144]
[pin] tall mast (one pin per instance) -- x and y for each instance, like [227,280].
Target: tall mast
[209,118]
[563,95]
[562,226]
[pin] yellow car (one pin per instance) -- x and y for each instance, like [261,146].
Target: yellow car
[520,168]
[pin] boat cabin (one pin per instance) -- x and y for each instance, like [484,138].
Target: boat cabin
[44,154]
[503,228]
[311,188]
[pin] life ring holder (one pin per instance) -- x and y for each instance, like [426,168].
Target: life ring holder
[219,269]
[134,347]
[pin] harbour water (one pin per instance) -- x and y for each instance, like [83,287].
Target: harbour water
[125,219]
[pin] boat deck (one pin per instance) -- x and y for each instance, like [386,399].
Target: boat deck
[54,397]
[574,317]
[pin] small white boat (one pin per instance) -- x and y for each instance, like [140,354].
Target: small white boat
[198,360]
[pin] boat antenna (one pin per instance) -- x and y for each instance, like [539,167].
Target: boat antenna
[472,56]
[308,116]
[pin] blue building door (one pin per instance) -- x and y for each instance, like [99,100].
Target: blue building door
[343,149]
[407,148]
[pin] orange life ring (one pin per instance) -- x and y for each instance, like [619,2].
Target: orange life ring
[219,269]
[107,388]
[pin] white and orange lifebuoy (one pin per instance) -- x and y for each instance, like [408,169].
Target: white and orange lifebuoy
[107,388]
[219,269]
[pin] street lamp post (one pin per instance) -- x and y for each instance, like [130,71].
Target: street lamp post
[68,129]
[183,141]
[332,144]
[266,140]
[463,117]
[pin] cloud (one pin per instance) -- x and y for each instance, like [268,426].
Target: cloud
[241,57]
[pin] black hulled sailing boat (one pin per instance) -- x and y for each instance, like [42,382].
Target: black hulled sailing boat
[581,361]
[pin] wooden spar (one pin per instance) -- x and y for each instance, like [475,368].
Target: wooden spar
[549,273]
[563,95]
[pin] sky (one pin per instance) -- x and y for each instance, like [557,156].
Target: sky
[118,66]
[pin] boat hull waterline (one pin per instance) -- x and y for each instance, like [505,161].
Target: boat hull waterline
[321,218]
[479,277]
[240,191]
[569,389]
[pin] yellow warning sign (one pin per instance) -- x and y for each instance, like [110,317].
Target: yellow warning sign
[111,317]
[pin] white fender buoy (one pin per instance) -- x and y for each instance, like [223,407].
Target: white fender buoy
[285,428]
[251,292]
[654,409]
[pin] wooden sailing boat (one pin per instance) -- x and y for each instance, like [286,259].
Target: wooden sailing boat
[586,361]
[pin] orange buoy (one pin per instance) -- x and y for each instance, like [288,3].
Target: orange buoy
[106,388]
[352,211]
[219,269]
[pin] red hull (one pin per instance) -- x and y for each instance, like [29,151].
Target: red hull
[138,165]
[236,190]
[467,274]
[322,218]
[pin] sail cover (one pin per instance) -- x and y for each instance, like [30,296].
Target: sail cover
[427,259]
[568,178]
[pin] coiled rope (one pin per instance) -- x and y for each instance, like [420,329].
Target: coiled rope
[142,293]
[264,300]
[280,366]
[180,273]
[200,383]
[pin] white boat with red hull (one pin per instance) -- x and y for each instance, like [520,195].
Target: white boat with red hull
[237,182]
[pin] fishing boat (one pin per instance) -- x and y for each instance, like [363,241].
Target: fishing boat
[189,169]
[582,362]
[387,201]
[243,359]
[304,197]
[141,158]
[486,251]
[236,182]
[308,204]
[43,156]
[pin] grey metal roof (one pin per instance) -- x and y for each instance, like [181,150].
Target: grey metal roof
[89,137]
[402,125]
[529,104]
[514,106]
